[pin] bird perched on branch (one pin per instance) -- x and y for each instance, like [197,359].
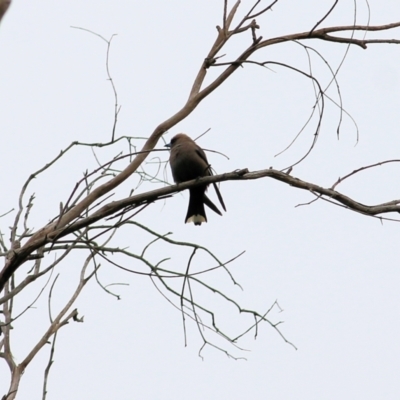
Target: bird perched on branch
[188,161]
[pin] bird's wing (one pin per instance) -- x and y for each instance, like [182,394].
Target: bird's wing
[219,196]
[211,205]
[200,152]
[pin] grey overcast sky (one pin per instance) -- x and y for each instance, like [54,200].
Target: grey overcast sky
[335,273]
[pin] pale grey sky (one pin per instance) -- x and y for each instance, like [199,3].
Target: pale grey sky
[335,273]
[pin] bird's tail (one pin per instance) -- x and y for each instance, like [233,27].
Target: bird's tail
[196,212]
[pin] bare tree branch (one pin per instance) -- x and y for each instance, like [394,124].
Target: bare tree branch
[89,214]
[4,4]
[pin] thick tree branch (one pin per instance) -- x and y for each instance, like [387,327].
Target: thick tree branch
[83,209]
[323,34]
[20,255]
[4,4]
[193,101]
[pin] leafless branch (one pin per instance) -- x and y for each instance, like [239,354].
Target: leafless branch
[195,98]
[324,17]
[89,214]
[4,4]
[18,256]
[340,180]
[117,107]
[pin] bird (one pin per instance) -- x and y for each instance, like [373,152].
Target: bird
[189,161]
